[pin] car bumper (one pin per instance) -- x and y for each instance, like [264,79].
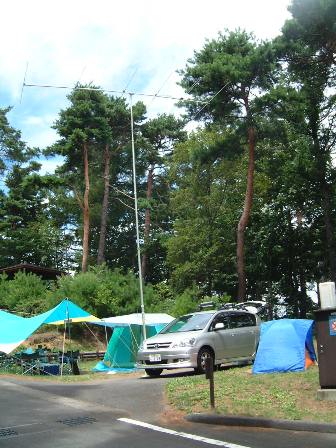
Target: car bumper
[170,359]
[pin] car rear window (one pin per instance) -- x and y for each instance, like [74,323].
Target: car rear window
[242,320]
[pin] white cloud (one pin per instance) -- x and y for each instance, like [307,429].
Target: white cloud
[104,42]
[42,138]
[49,165]
[43,120]
[37,130]
[34,121]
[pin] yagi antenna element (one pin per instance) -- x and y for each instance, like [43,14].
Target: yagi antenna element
[24,82]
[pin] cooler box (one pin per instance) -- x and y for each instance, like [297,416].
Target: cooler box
[49,369]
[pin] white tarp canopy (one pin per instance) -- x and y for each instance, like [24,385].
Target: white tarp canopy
[136,319]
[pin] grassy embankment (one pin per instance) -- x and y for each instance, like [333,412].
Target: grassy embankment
[291,396]
[81,339]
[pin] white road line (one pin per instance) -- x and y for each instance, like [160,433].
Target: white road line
[181,434]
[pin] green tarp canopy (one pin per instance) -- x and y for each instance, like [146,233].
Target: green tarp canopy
[126,339]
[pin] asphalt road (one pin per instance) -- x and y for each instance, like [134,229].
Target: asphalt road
[124,411]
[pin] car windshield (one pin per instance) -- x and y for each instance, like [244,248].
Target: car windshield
[189,322]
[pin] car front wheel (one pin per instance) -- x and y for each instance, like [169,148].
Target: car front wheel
[204,354]
[153,372]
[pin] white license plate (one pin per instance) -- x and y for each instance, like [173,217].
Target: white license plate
[155,358]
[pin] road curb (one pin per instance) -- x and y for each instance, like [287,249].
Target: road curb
[230,420]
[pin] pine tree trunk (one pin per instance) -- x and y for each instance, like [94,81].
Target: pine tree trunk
[149,194]
[245,216]
[86,210]
[105,206]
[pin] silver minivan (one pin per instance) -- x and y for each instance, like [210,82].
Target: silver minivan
[225,336]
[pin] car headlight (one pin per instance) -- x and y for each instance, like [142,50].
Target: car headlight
[188,342]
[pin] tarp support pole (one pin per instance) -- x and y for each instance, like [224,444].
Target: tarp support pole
[106,337]
[63,348]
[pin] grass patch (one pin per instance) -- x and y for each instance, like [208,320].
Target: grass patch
[291,396]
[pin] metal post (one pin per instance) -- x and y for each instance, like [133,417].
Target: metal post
[137,225]
[209,375]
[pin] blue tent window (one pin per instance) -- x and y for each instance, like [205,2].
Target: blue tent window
[332,325]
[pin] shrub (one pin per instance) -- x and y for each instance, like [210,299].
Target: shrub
[25,294]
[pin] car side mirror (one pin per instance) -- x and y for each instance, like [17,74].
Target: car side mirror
[219,326]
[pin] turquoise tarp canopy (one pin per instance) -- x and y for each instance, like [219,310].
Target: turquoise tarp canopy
[4,315]
[15,329]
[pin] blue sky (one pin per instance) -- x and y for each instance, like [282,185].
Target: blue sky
[109,42]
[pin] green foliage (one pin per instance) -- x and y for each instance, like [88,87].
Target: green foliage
[158,137]
[186,302]
[308,45]
[313,23]
[205,201]
[86,120]
[163,299]
[25,294]
[225,70]
[103,292]
[100,291]
[166,301]
[27,229]
[12,149]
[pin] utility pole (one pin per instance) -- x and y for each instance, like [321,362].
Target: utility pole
[137,223]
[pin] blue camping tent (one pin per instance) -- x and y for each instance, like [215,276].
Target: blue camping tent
[284,346]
